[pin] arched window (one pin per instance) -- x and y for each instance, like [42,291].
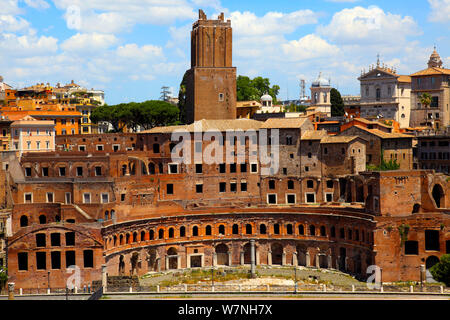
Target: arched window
[134,236]
[301,229]
[323,231]
[161,234]
[182,231]
[113,214]
[42,219]
[151,168]
[235,229]
[208,230]
[121,239]
[106,215]
[23,221]
[262,229]
[222,229]
[333,232]
[276,228]
[151,235]
[195,231]
[142,235]
[248,229]
[115,241]
[127,238]
[312,230]
[289,229]
[171,232]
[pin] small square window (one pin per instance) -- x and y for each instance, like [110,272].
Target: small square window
[50,197]
[86,198]
[233,168]
[254,167]
[199,188]
[272,198]
[198,168]
[233,186]
[222,187]
[244,186]
[169,188]
[99,147]
[173,168]
[221,95]
[105,197]
[222,168]
[291,198]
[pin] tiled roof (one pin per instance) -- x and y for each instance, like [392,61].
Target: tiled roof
[338,139]
[284,123]
[404,79]
[383,135]
[211,125]
[431,71]
[314,134]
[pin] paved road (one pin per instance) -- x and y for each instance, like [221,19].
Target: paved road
[315,296]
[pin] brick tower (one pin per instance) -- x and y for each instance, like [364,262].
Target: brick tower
[211,81]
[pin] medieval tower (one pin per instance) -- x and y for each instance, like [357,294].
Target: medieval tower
[211,81]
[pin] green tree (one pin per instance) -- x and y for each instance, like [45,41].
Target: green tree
[147,114]
[441,271]
[182,99]
[337,104]
[425,99]
[253,89]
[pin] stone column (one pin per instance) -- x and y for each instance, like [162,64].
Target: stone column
[252,253]
[158,264]
[242,258]
[329,262]
[269,258]
[338,267]
[258,261]
[308,259]
[346,263]
[178,262]
[166,260]
[318,260]
[104,278]
[229,258]
[283,258]
[11,291]
[294,259]
[214,262]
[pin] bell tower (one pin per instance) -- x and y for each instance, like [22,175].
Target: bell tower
[211,81]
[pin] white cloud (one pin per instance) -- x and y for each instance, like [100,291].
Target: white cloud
[369,26]
[88,42]
[10,23]
[248,24]
[10,7]
[37,4]
[12,45]
[440,11]
[107,16]
[308,47]
[133,51]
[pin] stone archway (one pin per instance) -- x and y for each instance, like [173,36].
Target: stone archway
[247,254]
[172,256]
[277,254]
[121,265]
[222,254]
[438,195]
[134,263]
[431,261]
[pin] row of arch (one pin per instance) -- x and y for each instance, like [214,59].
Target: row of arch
[289,229]
[25,221]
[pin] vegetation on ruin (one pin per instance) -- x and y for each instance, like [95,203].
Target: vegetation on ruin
[182,99]
[295,108]
[3,277]
[441,271]
[252,89]
[337,104]
[384,166]
[403,230]
[425,99]
[147,114]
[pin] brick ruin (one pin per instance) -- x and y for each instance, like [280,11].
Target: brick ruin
[138,211]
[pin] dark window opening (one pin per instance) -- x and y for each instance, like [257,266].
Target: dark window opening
[222,229]
[151,234]
[276,228]
[432,240]
[233,186]
[62,171]
[244,186]
[27,172]
[41,261]
[412,247]
[208,230]
[42,219]
[199,188]
[243,167]
[329,184]
[182,231]
[310,184]
[291,198]
[70,258]
[55,239]
[312,230]
[323,231]
[161,234]
[342,233]
[235,229]
[222,168]
[272,198]
[262,229]
[233,168]
[56,259]
[79,171]
[310,198]
[45,172]
[195,231]
[40,240]
[156,148]
[169,188]
[289,229]
[23,221]
[88,257]
[198,168]
[271,184]
[301,230]
[98,171]
[333,232]
[171,233]
[222,186]
[290,184]
[22,258]
[248,229]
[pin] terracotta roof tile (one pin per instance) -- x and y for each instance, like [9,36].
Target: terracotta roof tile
[284,123]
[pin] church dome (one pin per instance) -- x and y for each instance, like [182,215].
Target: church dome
[266,97]
[321,82]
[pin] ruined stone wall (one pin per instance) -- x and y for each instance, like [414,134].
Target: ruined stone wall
[105,142]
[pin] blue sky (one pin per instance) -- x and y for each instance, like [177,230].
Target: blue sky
[131,48]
